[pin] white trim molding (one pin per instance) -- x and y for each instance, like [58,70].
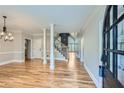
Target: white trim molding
[92,76]
[19,61]
[61,59]
[5,62]
[11,57]
[11,61]
[10,52]
[100,51]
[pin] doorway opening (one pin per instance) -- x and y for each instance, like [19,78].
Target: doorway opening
[27,49]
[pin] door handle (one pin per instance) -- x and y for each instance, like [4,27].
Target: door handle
[101,71]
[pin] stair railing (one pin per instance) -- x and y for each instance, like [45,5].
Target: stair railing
[63,49]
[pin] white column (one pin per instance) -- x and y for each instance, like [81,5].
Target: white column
[52,61]
[44,47]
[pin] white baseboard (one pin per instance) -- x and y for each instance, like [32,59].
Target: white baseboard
[33,57]
[11,61]
[49,58]
[60,59]
[92,76]
[20,61]
[5,62]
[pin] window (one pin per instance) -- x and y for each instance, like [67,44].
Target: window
[114,42]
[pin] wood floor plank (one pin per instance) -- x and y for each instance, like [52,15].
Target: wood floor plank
[34,74]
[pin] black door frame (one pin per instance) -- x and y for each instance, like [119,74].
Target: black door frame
[106,42]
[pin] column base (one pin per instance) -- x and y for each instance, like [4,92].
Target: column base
[52,67]
[45,62]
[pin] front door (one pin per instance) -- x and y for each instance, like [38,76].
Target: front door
[113,47]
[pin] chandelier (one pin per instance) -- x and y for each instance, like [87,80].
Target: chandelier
[5,34]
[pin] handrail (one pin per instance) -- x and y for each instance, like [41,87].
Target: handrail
[62,43]
[60,46]
[64,49]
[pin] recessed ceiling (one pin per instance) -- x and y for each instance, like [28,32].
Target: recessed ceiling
[34,18]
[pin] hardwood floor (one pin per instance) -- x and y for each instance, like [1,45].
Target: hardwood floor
[34,74]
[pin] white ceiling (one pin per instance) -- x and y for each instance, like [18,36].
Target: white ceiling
[34,18]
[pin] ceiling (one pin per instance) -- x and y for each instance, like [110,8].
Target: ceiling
[34,18]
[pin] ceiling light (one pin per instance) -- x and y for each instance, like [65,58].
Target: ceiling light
[4,34]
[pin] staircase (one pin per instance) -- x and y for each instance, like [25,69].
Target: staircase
[60,47]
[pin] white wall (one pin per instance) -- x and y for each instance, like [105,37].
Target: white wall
[37,47]
[14,50]
[90,43]
[10,50]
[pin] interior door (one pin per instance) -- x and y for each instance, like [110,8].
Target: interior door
[113,47]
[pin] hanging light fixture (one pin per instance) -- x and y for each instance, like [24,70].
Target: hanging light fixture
[4,34]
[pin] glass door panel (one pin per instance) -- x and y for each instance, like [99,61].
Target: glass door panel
[121,69]
[111,39]
[120,10]
[113,47]
[111,62]
[121,36]
[111,16]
